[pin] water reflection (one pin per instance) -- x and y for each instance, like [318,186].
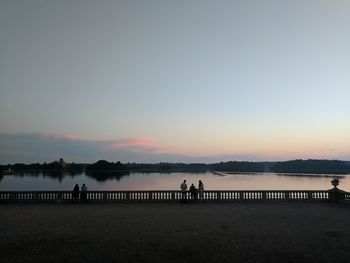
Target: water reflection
[105,176]
[59,175]
[39,181]
[337,176]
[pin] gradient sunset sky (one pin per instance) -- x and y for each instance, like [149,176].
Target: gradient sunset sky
[189,81]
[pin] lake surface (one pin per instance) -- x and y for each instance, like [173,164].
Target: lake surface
[170,181]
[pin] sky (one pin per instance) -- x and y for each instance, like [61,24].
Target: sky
[174,81]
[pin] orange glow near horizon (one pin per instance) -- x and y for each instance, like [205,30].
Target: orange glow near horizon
[270,148]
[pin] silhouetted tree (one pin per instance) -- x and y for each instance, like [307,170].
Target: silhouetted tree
[103,165]
[311,166]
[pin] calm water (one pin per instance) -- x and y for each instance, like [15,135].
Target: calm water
[169,181]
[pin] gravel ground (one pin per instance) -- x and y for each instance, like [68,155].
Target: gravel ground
[205,232]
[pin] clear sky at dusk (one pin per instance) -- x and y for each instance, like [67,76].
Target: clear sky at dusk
[150,81]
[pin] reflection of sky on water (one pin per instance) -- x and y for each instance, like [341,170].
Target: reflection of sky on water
[170,181]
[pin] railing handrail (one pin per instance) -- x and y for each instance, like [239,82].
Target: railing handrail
[173,195]
[164,191]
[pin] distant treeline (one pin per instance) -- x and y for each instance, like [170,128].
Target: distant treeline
[240,166]
[53,166]
[104,166]
[311,166]
[295,166]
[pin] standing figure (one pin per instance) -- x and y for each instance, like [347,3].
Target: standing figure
[201,189]
[75,193]
[183,187]
[83,194]
[194,192]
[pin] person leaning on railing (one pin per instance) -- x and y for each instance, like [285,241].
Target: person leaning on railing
[194,192]
[201,189]
[183,187]
[75,193]
[83,194]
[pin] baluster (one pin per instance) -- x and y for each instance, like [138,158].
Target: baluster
[309,195]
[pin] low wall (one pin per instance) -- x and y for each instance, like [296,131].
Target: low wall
[173,196]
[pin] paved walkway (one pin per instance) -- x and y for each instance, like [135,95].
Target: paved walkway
[232,232]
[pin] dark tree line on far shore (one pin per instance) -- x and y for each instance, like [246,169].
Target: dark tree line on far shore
[294,166]
[311,166]
[38,167]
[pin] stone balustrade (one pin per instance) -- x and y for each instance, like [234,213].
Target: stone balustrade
[347,197]
[173,196]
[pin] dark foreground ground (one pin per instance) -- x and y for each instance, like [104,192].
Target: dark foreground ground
[235,232]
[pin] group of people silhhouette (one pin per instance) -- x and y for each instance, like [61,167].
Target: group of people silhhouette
[194,192]
[76,192]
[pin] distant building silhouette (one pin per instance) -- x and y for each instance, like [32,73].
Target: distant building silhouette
[62,163]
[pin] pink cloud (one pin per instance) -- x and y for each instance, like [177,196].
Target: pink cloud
[58,136]
[144,144]
[132,142]
[129,143]
[137,144]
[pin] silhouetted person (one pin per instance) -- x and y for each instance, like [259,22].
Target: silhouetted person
[183,187]
[201,189]
[75,193]
[83,194]
[194,192]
